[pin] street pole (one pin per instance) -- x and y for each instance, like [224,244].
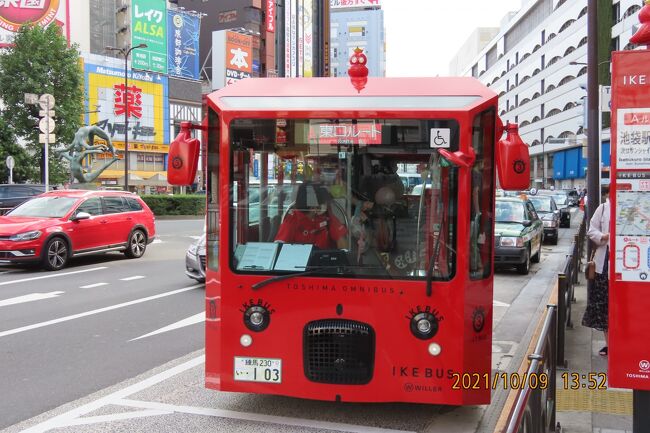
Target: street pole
[593,138]
[126,120]
[126,53]
[47,147]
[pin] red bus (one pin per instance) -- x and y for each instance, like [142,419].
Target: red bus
[350,236]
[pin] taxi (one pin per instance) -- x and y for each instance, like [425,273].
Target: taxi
[518,233]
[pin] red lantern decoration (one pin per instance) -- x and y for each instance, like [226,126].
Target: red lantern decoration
[642,36]
[358,71]
[513,161]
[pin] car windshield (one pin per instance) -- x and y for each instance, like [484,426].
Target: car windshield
[46,207]
[509,212]
[542,204]
[560,199]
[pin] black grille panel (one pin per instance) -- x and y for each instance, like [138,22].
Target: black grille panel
[202,261]
[339,351]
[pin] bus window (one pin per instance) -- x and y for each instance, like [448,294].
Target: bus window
[325,195]
[481,219]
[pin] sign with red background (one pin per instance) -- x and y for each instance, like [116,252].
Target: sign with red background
[15,13]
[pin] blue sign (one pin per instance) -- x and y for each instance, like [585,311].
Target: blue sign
[183,40]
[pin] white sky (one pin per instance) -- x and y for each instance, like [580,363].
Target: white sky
[422,36]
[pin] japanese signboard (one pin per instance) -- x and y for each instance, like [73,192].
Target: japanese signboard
[308,39]
[183,48]
[145,104]
[348,4]
[629,267]
[15,13]
[270,15]
[633,139]
[346,133]
[149,26]
[232,57]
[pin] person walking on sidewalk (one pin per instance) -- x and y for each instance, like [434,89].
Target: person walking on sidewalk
[598,291]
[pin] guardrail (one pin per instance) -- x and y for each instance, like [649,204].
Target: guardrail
[534,409]
[566,282]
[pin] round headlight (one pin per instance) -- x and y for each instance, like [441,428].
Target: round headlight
[424,325]
[257,318]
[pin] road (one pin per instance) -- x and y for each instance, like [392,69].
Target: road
[90,362]
[66,334]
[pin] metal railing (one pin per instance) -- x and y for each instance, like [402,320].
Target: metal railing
[534,409]
[566,282]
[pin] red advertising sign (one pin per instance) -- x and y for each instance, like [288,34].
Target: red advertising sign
[629,265]
[270,16]
[15,13]
[239,57]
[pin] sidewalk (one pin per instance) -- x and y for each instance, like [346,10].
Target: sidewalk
[584,410]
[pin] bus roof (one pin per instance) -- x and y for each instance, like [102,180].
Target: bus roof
[442,93]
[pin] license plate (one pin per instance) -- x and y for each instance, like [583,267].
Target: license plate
[258,370]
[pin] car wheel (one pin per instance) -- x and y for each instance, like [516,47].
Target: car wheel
[55,254]
[538,256]
[137,244]
[524,267]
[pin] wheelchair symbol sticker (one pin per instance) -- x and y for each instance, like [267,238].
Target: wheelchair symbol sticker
[440,138]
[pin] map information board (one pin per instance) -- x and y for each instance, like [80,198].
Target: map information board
[633,226]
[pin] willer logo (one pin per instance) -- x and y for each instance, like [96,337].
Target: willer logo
[644,365]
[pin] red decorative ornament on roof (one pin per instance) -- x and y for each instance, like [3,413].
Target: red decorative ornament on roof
[642,36]
[358,71]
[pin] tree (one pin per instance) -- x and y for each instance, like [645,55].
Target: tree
[24,169]
[42,62]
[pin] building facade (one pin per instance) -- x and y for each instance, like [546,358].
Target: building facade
[537,66]
[353,25]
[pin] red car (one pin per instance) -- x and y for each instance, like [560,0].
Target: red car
[57,225]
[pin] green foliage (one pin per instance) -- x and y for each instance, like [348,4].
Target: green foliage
[176,204]
[23,169]
[41,62]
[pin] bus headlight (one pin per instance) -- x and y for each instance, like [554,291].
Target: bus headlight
[257,318]
[424,325]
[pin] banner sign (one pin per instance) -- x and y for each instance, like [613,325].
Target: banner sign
[349,4]
[270,16]
[183,48]
[15,13]
[239,57]
[147,106]
[149,26]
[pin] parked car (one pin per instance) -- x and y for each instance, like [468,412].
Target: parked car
[518,233]
[51,228]
[195,260]
[549,213]
[573,196]
[562,202]
[15,194]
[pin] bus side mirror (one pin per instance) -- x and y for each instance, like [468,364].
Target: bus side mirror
[183,157]
[513,161]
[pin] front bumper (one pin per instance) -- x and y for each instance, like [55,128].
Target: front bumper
[195,266]
[19,252]
[509,255]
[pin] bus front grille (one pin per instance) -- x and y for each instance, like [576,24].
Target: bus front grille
[339,351]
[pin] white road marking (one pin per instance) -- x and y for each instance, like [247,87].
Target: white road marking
[73,415]
[197,318]
[255,417]
[52,275]
[90,286]
[157,241]
[97,311]
[499,303]
[135,277]
[29,298]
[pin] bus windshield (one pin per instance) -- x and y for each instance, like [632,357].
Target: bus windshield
[328,196]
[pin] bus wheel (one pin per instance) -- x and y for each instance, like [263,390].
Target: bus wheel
[137,245]
[524,268]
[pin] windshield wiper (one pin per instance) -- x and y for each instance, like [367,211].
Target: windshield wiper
[341,269]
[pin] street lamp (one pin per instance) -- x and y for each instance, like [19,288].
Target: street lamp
[126,53]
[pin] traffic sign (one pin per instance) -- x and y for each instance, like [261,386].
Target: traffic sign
[31,98]
[46,101]
[10,162]
[605,99]
[43,113]
[46,125]
[46,138]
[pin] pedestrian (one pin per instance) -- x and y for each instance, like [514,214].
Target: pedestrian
[598,290]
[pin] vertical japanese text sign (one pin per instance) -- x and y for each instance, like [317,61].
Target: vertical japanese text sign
[629,269]
[149,26]
[239,56]
[183,48]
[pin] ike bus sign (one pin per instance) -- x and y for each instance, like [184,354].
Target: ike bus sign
[629,267]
